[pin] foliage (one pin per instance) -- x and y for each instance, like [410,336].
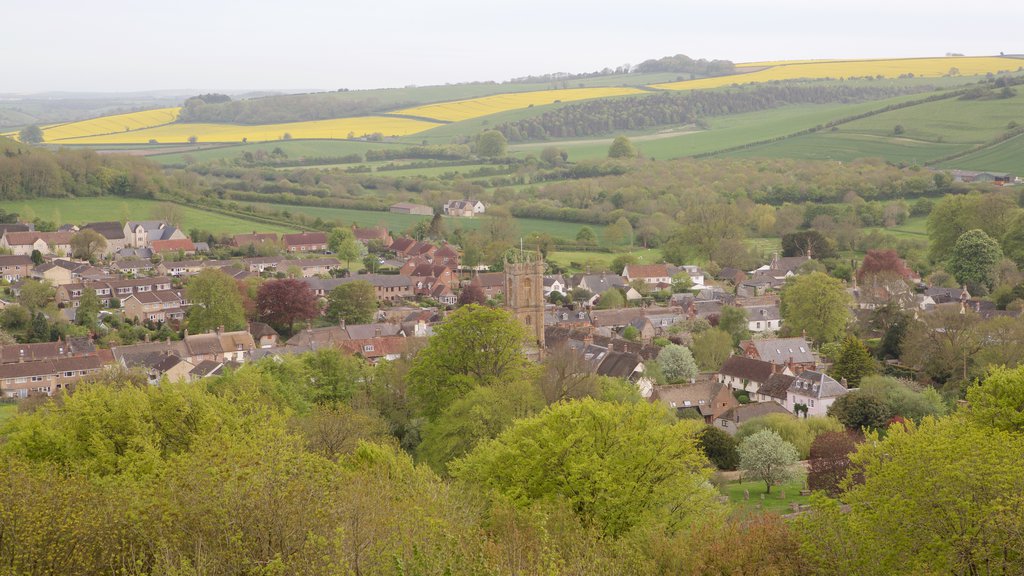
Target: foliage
[491,144]
[622,147]
[572,452]
[472,294]
[475,346]
[31,135]
[800,432]
[829,461]
[854,362]
[711,348]
[35,294]
[215,302]
[882,261]
[611,299]
[817,304]
[87,244]
[767,457]
[974,259]
[88,309]
[353,303]
[719,447]
[997,400]
[281,303]
[345,246]
[677,364]
[810,243]
[733,320]
[860,411]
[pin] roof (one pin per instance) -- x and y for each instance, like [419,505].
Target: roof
[9,260]
[747,368]
[54,366]
[13,353]
[776,386]
[817,385]
[261,330]
[762,313]
[109,230]
[304,238]
[375,280]
[410,206]
[699,395]
[619,364]
[646,271]
[29,238]
[745,412]
[173,245]
[783,350]
[205,368]
[489,280]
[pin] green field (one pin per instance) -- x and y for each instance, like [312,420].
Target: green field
[1006,156]
[7,411]
[402,222]
[771,502]
[579,261]
[845,147]
[293,148]
[913,229]
[84,210]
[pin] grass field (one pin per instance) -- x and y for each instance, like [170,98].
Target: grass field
[846,147]
[83,210]
[913,229]
[771,502]
[599,261]
[338,128]
[7,411]
[477,107]
[293,148]
[889,68]
[1006,156]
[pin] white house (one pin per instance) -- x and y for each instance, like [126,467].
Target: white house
[814,390]
[464,207]
[555,283]
[654,275]
[762,319]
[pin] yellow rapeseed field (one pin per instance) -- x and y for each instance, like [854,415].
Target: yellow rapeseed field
[111,124]
[487,105]
[892,68]
[337,128]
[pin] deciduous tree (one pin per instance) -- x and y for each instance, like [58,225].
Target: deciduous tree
[677,363]
[622,147]
[767,457]
[215,302]
[711,348]
[353,303]
[281,303]
[854,362]
[974,258]
[817,304]
[87,244]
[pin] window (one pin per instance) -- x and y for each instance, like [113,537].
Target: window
[368,348]
[69,374]
[37,378]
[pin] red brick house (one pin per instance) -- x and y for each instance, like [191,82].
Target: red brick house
[256,239]
[305,242]
[164,246]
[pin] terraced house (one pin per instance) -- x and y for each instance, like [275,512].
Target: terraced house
[14,268]
[24,379]
[69,295]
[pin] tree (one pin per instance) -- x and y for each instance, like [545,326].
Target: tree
[622,148]
[31,135]
[88,309]
[281,303]
[829,461]
[854,362]
[586,236]
[677,363]
[480,415]
[619,232]
[620,262]
[681,283]
[611,299]
[998,399]
[215,302]
[573,451]
[879,261]
[767,457]
[345,246]
[39,330]
[554,156]
[472,294]
[711,348]
[353,303]
[944,344]
[800,432]
[565,375]
[476,346]
[35,294]
[37,257]
[733,320]
[490,144]
[816,303]
[860,411]
[719,447]
[87,244]
[808,242]
[974,260]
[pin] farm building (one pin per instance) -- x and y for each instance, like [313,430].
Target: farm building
[999,178]
[468,208]
[410,208]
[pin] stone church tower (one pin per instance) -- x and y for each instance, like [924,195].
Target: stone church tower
[524,293]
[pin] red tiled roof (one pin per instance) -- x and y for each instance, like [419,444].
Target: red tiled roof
[173,245]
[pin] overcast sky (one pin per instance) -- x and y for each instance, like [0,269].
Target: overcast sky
[122,45]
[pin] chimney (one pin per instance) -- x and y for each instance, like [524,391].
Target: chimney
[186,333]
[843,382]
[220,329]
[146,337]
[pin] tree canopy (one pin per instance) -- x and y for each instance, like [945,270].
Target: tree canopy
[815,303]
[215,302]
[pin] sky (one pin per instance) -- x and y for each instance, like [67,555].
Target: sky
[121,45]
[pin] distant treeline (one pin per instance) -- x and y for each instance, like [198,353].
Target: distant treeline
[611,115]
[37,173]
[682,63]
[290,108]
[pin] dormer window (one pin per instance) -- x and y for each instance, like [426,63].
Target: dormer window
[368,348]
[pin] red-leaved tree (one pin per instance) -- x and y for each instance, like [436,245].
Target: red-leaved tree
[472,294]
[829,460]
[878,261]
[281,303]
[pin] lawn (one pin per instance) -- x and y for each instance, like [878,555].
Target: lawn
[599,261]
[772,502]
[7,411]
[84,210]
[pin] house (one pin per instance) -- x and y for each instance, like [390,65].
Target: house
[730,420]
[261,264]
[377,234]
[656,276]
[374,342]
[181,246]
[135,254]
[696,274]
[72,347]
[443,294]
[23,243]
[140,234]
[156,306]
[782,268]
[305,242]
[466,208]
[311,267]
[256,240]
[23,379]
[742,373]
[410,248]
[113,233]
[60,271]
[598,284]
[492,284]
[556,316]
[704,400]
[132,267]
[14,268]
[69,295]
[775,389]
[555,283]
[219,346]
[263,335]
[387,287]
[377,348]
[763,318]
[410,208]
[16,227]
[794,353]
[447,256]
[425,276]
[812,392]
[734,276]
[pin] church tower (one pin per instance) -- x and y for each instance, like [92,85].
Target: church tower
[524,293]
